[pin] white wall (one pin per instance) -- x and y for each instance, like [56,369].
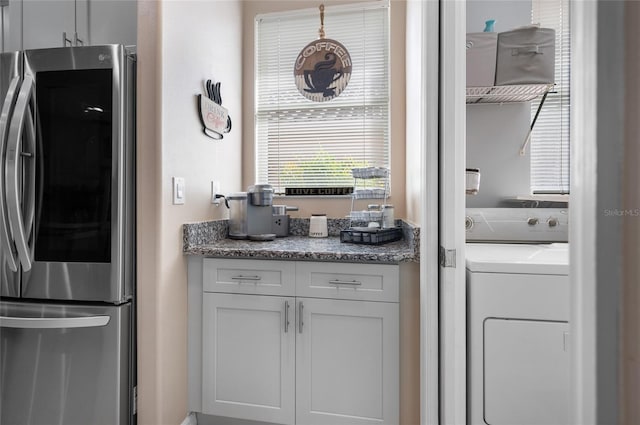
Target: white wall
[495,133]
[201,40]
[508,14]
[181,44]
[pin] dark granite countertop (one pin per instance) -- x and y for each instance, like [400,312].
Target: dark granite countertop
[210,239]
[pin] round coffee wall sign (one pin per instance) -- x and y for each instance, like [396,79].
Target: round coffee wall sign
[323,67]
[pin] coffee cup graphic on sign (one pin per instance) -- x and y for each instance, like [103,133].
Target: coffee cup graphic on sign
[323,75]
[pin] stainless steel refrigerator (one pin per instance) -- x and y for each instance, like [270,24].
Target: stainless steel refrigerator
[67,236]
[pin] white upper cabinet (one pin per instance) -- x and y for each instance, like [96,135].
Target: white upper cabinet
[44,22]
[83,22]
[113,22]
[11,15]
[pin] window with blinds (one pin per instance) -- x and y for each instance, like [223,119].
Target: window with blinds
[300,143]
[550,137]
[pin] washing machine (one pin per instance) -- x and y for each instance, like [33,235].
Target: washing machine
[518,317]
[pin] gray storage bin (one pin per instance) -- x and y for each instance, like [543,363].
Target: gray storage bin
[526,56]
[481,58]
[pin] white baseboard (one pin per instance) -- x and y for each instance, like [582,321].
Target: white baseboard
[190,419]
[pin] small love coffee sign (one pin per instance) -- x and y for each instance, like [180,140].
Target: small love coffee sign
[323,67]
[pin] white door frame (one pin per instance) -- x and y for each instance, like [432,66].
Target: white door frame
[597,148]
[428,28]
[442,132]
[452,155]
[582,215]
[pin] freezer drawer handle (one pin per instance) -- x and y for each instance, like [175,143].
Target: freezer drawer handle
[53,322]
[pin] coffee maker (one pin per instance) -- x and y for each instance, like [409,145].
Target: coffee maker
[250,213]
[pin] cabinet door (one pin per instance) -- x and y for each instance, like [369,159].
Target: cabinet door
[346,362]
[113,22]
[44,21]
[248,357]
[82,23]
[11,26]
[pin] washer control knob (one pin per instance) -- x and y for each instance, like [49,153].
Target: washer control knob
[532,221]
[552,222]
[468,223]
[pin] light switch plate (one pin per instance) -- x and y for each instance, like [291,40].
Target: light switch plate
[179,188]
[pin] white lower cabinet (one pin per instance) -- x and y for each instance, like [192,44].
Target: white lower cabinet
[302,360]
[347,362]
[248,357]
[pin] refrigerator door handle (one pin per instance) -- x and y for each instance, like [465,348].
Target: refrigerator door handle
[22,119]
[53,322]
[5,235]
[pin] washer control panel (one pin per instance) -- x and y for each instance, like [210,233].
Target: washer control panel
[517,224]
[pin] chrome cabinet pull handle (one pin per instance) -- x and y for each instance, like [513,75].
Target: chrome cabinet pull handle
[76,40]
[345,282]
[255,278]
[66,40]
[300,321]
[286,316]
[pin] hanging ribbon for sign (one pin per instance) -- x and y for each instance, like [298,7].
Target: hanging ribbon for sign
[323,67]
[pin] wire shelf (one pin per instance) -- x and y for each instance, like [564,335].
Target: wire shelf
[369,193]
[366,215]
[370,172]
[369,183]
[506,94]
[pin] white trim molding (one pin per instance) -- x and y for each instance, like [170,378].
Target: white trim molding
[630,374]
[422,59]
[452,308]
[595,232]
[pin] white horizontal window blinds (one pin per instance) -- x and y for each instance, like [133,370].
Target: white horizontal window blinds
[550,137]
[300,143]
